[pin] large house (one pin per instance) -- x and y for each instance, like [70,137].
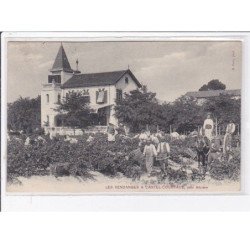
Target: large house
[102,89]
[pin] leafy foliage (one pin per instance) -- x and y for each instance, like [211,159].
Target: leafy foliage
[187,115]
[24,114]
[107,158]
[74,110]
[224,108]
[213,85]
[140,108]
[137,109]
[99,155]
[179,149]
[221,170]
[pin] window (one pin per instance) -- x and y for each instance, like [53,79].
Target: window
[101,96]
[47,98]
[59,99]
[47,120]
[87,98]
[54,79]
[126,79]
[118,94]
[86,95]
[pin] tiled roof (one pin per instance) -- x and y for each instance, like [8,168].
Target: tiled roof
[212,93]
[61,62]
[98,79]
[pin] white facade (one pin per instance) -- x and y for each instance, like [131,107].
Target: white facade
[49,102]
[105,86]
[52,92]
[111,95]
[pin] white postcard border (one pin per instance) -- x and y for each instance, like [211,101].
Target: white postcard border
[131,201]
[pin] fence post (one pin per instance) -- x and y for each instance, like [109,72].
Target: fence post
[216,126]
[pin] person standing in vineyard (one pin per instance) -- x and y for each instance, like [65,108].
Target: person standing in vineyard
[149,153]
[208,127]
[52,134]
[155,140]
[163,152]
[143,138]
[199,146]
[214,152]
[111,132]
[121,129]
[227,142]
[27,141]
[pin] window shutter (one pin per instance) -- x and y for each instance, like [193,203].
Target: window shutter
[118,94]
[58,98]
[100,97]
[59,79]
[105,96]
[97,92]
[87,97]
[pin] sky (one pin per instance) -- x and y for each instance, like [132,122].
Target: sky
[169,68]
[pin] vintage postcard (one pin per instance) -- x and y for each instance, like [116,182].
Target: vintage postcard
[123,116]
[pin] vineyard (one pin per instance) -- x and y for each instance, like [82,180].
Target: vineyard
[110,159]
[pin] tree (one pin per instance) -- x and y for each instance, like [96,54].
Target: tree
[74,110]
[138,109]
[213,85]
[224,108]
[186,114]
[24,114]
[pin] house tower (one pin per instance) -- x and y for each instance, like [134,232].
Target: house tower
[51,94]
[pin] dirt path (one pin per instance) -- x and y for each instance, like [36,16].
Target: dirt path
[103,184]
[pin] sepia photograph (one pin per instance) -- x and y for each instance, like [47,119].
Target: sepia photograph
[124,125]
[90,117]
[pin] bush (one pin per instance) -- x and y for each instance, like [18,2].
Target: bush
[100,155]
[179,149]
[221,170]
[103,156]
[179,175]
